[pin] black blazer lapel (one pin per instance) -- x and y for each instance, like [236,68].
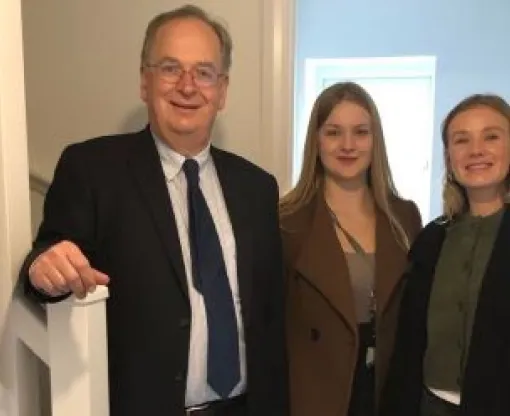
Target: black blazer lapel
[238,211]
[486,382]
[404,383]
[150,180]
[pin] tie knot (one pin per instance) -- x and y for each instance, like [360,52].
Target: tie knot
[190,168]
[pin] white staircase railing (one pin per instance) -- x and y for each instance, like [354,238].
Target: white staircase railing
[70,337]
[78,356]
[71,341]
[73,345]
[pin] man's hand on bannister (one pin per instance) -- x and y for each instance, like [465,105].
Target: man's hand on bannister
[62,269]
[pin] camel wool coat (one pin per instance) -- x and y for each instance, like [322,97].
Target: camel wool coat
[322,329]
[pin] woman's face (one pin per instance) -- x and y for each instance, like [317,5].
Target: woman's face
[346,142]
[478,149]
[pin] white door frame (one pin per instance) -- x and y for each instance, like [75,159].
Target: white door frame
[15,231]
[278,87]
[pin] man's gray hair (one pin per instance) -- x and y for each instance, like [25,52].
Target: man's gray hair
[186,12]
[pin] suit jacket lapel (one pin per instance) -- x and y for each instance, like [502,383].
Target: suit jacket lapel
[150,180]
[238,211]
[322,263]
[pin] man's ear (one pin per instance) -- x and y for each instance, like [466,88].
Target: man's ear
[144,82]
[223,92]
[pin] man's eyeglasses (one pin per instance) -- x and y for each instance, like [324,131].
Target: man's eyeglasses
[171,72]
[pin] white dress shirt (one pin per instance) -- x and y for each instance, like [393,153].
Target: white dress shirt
[197,389]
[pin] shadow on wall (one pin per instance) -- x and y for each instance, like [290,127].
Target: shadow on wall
[218,134]
[137,120]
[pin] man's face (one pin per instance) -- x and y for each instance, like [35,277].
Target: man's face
[183,83]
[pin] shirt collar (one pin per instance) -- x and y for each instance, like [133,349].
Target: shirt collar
[172,161]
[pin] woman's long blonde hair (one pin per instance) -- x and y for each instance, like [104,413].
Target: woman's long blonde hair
[455,201]
[312,173]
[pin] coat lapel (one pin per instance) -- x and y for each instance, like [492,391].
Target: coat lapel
[390,261]
[150,180]
[322,263]
[239,214]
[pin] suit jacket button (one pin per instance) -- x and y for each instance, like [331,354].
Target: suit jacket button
[315,334]
[184,323]
[179,377]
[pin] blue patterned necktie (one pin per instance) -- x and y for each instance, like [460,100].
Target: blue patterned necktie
[210,279]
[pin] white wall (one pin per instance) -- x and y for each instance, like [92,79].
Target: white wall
[468,61]
[82,75]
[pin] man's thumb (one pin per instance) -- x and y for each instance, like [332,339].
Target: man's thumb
[101,278]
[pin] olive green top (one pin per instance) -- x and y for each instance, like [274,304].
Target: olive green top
[459,273]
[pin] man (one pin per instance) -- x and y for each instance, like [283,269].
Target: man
[185,235]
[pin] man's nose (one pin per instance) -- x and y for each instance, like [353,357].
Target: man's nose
[186,83]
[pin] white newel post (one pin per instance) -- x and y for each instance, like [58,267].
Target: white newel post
[78,356]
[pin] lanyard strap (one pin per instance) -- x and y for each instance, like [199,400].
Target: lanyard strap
[359,250]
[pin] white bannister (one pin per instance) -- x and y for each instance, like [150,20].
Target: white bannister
[70,337]
[78,356]
[72,340]
[30,328]
[38,183]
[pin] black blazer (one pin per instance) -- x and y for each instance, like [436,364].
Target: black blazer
[109,196]
[486,388]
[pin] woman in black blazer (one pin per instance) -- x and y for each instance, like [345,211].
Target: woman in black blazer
[452,353]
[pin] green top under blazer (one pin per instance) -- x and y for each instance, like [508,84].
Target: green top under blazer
[453,300]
